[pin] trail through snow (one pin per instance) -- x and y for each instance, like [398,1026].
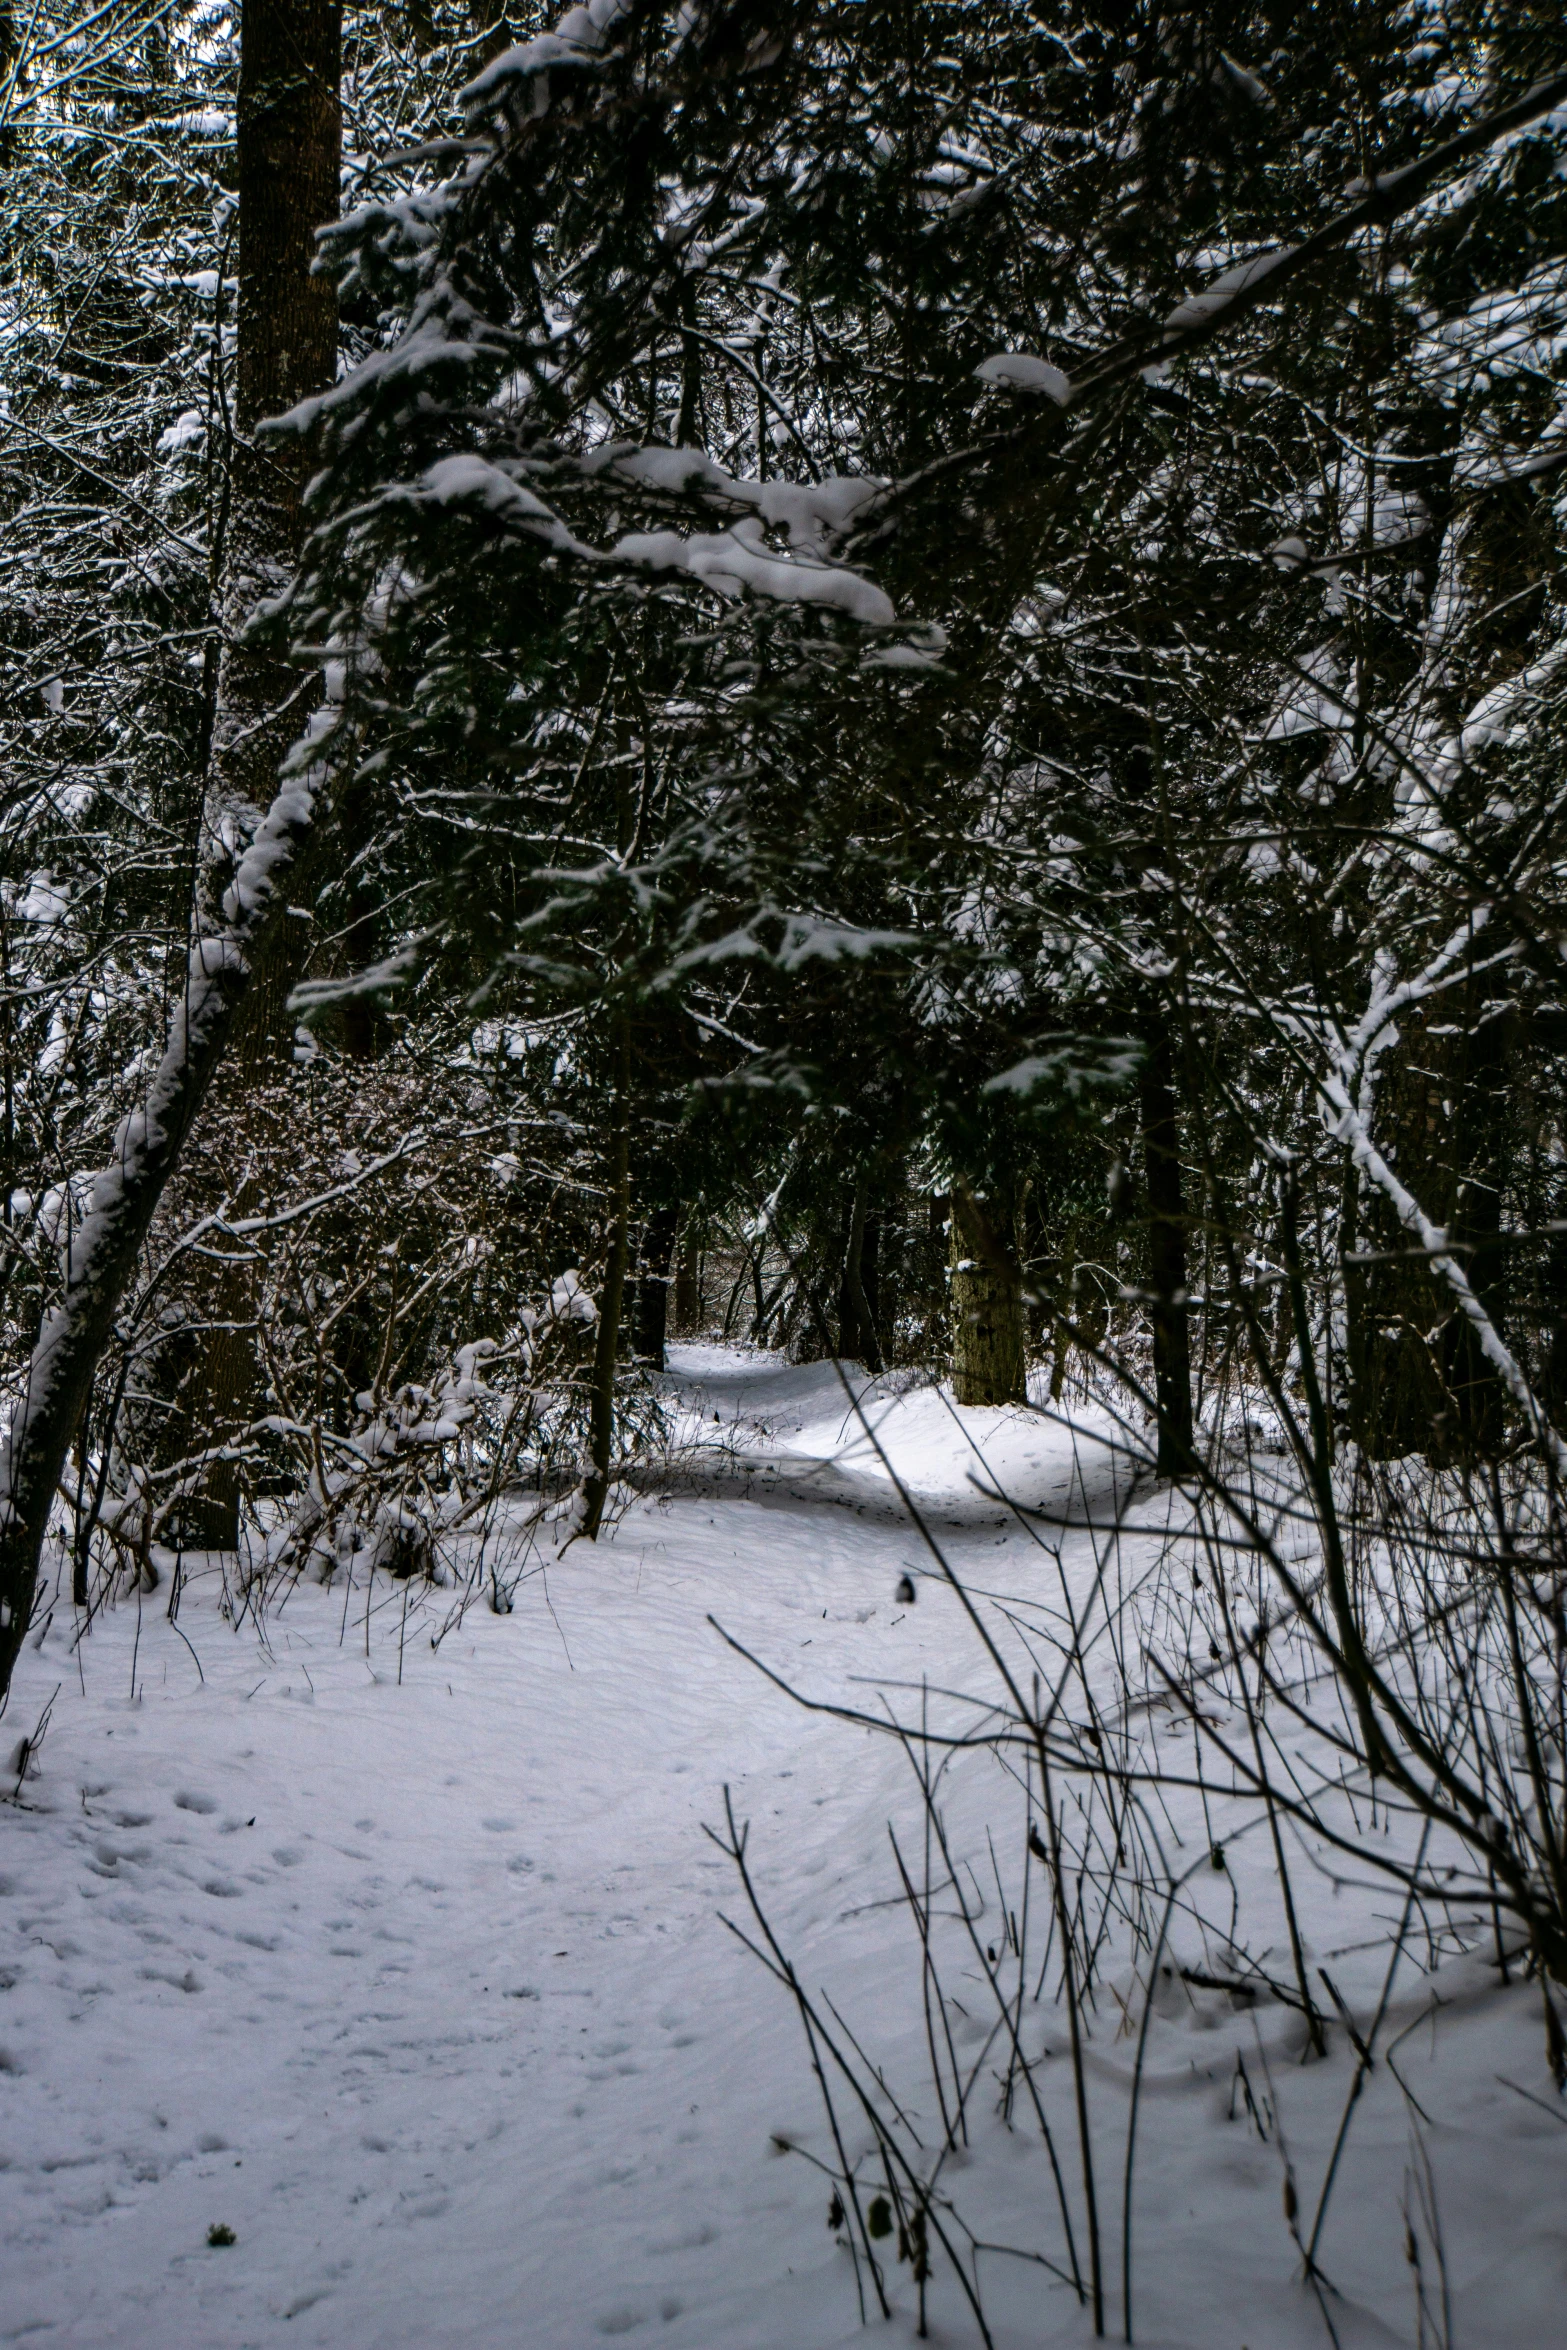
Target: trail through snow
[421,1988]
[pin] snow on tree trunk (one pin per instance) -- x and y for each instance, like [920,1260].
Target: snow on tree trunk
[989,1351]
[103,1251]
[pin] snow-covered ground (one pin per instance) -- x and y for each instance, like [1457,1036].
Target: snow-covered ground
[406,1963]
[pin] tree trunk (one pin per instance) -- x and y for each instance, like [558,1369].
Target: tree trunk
[606,1350]
[871,1290]
[989,1340]
[856,1322]
[1420,1383]
[288,159]
[650,1325]
[1172,1368]
[108,1242]
[288,154]
[688,1282]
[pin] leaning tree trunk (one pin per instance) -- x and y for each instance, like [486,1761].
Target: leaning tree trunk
[989,1334]
[107,1244]
[288,183]
[288,156]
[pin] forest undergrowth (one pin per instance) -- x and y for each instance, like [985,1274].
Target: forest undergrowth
[1232,1693]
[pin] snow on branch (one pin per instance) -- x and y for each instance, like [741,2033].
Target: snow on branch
[1020,371]
[576,41]
[125,1193]
[1250,283]
[1346,1095]
[1210,302]
[733,560]
[1347,1126]
[811,515]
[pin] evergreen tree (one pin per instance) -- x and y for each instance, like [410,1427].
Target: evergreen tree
[965,590]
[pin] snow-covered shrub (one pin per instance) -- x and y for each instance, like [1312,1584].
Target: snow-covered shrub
[420,1475]
[363,1324]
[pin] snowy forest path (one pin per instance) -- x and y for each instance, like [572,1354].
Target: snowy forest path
[422,1989]
[406,1963]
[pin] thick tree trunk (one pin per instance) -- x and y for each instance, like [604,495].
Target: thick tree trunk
[288,155]
[1172,1368]
[989,1337]
[288,159]
[650,1322]
[688,1282]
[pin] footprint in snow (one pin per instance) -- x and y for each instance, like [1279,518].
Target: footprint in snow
[185,1982]
[202,1804]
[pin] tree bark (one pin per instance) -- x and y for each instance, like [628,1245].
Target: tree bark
[856,1321]
[288,156]
[108,1242]
[688,1281]
[989,1339]
[287,161]
[650,1322]
[606,1350]
[1172,1365]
